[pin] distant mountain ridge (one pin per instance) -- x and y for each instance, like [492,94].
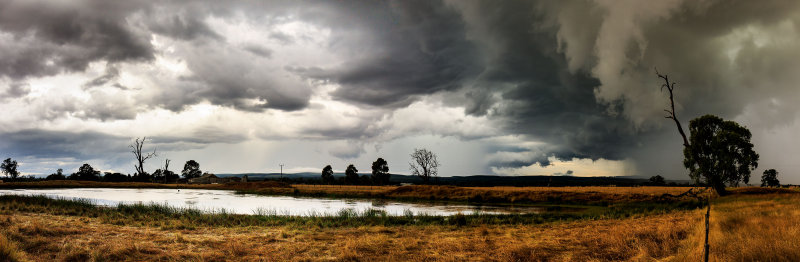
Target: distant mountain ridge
[476,180]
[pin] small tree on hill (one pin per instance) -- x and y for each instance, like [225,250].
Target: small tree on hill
[191,169]
[657,180]
[9,168]
[380,172]
[58,175]
[424,164]
[351,175]
[327,174]
[770,178]
[86,172]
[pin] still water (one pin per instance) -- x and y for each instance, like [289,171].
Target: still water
[218,200]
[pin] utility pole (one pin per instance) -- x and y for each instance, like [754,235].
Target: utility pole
[281,171]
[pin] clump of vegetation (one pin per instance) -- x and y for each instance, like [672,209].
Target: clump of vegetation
[770,178]
[8,250]
[9,168]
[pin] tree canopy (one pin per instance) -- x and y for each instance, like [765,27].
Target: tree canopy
[770,178]
[327,174]
[86,172]
[380,171]
[657,180]
[351,174]
[191,169]
[9,168]
[719,153]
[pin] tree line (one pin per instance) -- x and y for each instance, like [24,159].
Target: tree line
[424,165]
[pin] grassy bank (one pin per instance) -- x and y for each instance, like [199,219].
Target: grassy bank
[88,236]
[517,195]
[749,225]
[171,217]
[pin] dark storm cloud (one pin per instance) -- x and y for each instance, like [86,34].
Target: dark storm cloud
[65,37]
[410,49]
[185,26]
[73,148]
[200,136]
[727,56]
[576,76]
[61,144]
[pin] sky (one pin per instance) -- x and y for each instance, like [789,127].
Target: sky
[491,87]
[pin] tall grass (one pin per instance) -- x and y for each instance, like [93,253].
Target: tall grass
[8,250]
[750,228]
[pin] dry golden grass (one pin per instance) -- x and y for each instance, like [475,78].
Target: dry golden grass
[582,195]
[62,238]
[750,228]
[744,227]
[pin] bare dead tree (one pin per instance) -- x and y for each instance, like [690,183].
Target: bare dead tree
[671,115]
[166,169]
[140,157]
[424,164]
[671,111]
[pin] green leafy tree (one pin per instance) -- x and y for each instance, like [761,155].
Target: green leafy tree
[351,174]
[9,168]
[719,153]
[115,177]
[770,178]
[657,180]
[58,175]
[191,169]
[327,174]
[86,172]
[380,171]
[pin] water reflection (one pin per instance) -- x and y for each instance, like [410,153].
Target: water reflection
[216,200]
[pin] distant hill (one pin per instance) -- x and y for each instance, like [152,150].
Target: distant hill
[479,180]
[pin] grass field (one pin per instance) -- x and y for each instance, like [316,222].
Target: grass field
[748,225]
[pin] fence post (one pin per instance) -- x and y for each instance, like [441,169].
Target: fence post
[708,214]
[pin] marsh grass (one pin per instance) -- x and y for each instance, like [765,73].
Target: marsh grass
[744,228]
[167,216]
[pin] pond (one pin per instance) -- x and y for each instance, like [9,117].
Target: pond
[230,202]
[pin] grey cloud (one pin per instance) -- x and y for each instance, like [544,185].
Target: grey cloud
[348,150]
[542,67]
[111,74]
[201,136]
[281,38]
[16,90]
[185,24]
[61,144]
[410,49]
[259,50]
[59,38]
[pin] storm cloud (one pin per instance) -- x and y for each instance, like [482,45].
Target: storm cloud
[533,82]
